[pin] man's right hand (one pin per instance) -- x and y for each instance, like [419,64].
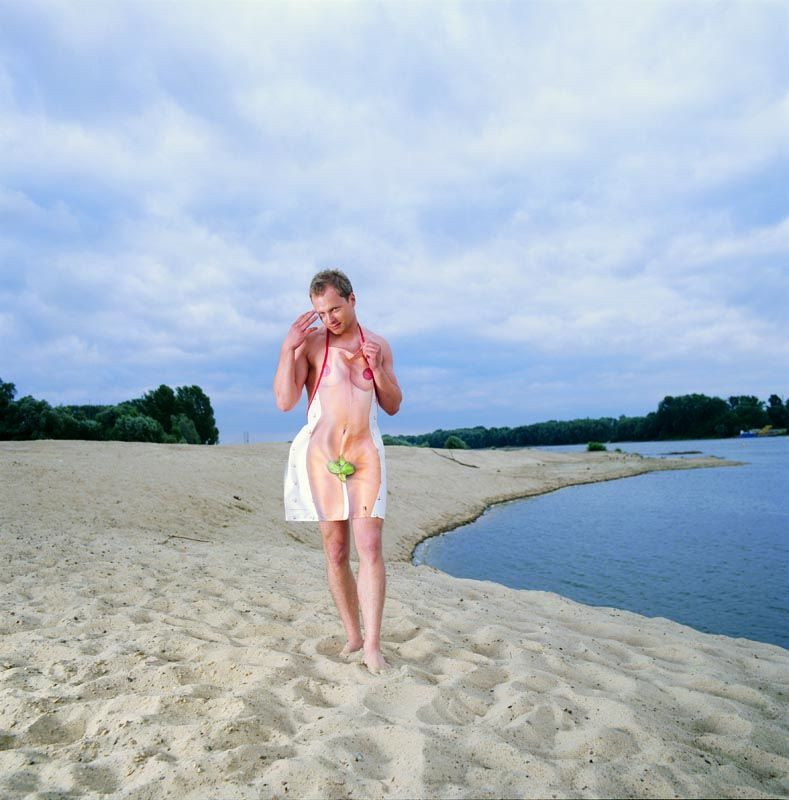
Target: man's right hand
[300,330]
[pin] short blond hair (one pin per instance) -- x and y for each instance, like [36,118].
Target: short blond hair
[331,277]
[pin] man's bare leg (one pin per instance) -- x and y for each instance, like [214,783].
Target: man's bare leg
[371,584]
[337,549]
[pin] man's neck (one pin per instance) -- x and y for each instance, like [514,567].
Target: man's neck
[348,337]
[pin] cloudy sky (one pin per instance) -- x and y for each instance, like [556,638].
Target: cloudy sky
[551,210]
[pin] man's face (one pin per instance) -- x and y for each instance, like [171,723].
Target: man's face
[335,311]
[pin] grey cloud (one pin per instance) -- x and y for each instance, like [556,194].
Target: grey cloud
[534,177]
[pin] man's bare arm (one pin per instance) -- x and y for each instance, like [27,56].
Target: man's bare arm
[379,356]
[293,367]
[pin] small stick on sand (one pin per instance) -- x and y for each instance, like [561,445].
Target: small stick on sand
[452,458]
[190,538]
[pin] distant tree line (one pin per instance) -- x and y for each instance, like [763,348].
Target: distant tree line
[690,416]
[180,416]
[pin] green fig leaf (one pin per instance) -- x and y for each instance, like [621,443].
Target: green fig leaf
[341,468]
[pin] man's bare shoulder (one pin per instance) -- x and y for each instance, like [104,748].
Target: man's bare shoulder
[375,337]
[314,343]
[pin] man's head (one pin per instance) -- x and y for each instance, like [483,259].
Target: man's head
[333,298]
[331,277]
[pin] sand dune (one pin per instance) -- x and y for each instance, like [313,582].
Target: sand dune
[166,633]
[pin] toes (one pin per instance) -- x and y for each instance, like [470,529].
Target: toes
[377,667]
[348,651]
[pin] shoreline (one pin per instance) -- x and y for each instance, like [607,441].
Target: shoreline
[163,632]
[709,462]
[491,477]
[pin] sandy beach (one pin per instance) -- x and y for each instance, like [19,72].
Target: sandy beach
[165,633]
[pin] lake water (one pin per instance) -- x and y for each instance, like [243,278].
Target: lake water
[707,547]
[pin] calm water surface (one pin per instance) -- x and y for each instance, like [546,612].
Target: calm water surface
[707,547]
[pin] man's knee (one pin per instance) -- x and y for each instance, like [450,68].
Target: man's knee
[368,545]
[336,544]
[337,553]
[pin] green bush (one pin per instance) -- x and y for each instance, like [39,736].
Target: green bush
[395,440]
[455,443]
[595,446]
[183,430]
[161,415]
[139,428]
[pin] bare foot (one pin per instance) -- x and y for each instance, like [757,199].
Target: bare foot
[349,649]
[375,662]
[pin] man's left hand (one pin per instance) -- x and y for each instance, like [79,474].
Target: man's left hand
[372,352]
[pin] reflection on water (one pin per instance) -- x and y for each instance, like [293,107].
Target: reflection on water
[707,547]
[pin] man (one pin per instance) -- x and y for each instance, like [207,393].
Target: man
[336,472]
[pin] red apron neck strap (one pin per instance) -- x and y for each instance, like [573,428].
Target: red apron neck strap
[320,374]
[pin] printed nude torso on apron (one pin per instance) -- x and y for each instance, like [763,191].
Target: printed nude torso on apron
[342,421]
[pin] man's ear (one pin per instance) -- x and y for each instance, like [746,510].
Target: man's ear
[352,299]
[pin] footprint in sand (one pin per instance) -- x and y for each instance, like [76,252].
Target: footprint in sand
[401,635]
[54,728]
[241,730]
[246,761]
[484,678]
[91,778]
[451,706]
[398,701]
[724,725]
[310,691]
[331,647]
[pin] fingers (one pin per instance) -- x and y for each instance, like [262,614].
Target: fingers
[372,352]
[301,329]
[306,319]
